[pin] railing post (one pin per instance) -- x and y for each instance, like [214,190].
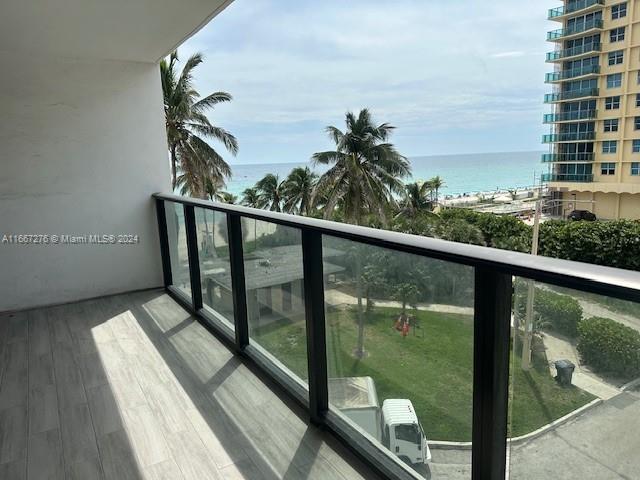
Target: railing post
[164,242]
[194,262]
[492,324]
[316,328]
[239,293]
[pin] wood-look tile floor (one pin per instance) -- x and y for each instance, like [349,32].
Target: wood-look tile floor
[132,387]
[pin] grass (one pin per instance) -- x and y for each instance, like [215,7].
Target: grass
[434,369]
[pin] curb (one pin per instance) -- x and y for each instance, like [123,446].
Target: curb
[441,445]
[630,385]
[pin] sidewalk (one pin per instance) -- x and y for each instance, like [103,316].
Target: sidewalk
[335,297]
[558,348]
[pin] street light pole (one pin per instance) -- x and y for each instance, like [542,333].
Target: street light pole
[528,320]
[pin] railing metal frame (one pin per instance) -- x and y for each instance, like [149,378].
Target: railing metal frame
[494,270]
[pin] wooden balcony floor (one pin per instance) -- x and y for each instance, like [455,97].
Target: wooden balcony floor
[132,387]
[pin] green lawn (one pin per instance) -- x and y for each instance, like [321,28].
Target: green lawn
[433,369]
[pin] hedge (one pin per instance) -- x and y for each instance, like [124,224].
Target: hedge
[609,346]
[553,311]
[560,312]
[614,244]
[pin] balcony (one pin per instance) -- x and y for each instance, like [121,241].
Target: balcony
[571,95]
[574,53]
[565,177]
[569,137]
[570,116]
[575,31]
[567,157]
[140,389]
[575,7]
[583,72]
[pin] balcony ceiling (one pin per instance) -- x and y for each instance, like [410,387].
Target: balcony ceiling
[135,30]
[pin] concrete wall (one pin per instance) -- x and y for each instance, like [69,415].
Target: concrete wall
[82,149]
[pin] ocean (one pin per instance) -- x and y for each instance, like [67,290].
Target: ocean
[469,173]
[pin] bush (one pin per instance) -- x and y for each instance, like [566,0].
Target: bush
[609,346]
[499,231]
[553,311]
[613,244]
[560,312]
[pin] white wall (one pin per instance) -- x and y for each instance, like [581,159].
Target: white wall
[82,148]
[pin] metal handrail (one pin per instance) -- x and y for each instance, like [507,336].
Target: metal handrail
[594,278]
[582,27]
[572,52]
[569,116]
[568,137]
[573,73]
[573,7]
[568,157]
[570,94]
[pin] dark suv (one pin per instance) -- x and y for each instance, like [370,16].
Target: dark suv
[582,215]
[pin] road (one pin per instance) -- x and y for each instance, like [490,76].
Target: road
[602,444]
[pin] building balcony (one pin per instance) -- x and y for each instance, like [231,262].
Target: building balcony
[571,95]
[575,7]
[569,116]
[570,32]
[583,72]
[567,157]
[564,177]
[574,53]
[569,137]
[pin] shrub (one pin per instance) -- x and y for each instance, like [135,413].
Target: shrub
[614,244]
[553,311]
[609,346]
[561,313]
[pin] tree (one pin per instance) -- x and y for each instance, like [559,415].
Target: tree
[271,191]
[417,199]
[187,127]
[251,197]
[298,190]
[365,172]
[436,184]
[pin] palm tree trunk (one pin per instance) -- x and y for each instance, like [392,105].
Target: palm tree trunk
[174,167]
[359,353]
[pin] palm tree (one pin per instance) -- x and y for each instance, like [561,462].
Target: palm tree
[251,197]
[417,199]
[298,190]
[437,183]
[187,126]
[365,173]
[229,198]
[366,170]
[271,191]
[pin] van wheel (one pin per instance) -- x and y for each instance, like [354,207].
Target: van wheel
[406,460]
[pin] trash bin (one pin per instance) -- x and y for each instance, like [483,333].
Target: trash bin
[564,369]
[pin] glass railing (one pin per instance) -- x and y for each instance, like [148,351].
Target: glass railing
[567,177]
[569,95]
[573,52]
[567,157]
[573,73]
[400,345]
[570,116]
[579,28]
[568,137]
[572,7]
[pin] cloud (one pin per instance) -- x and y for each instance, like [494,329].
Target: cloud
[429,68]
[508,54]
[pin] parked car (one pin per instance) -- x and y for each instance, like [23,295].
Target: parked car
[582,215]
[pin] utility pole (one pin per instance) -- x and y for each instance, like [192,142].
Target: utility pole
[528,320]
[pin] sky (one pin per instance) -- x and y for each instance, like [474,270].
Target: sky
[453,76]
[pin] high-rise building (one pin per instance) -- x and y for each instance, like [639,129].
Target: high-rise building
[594,158]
